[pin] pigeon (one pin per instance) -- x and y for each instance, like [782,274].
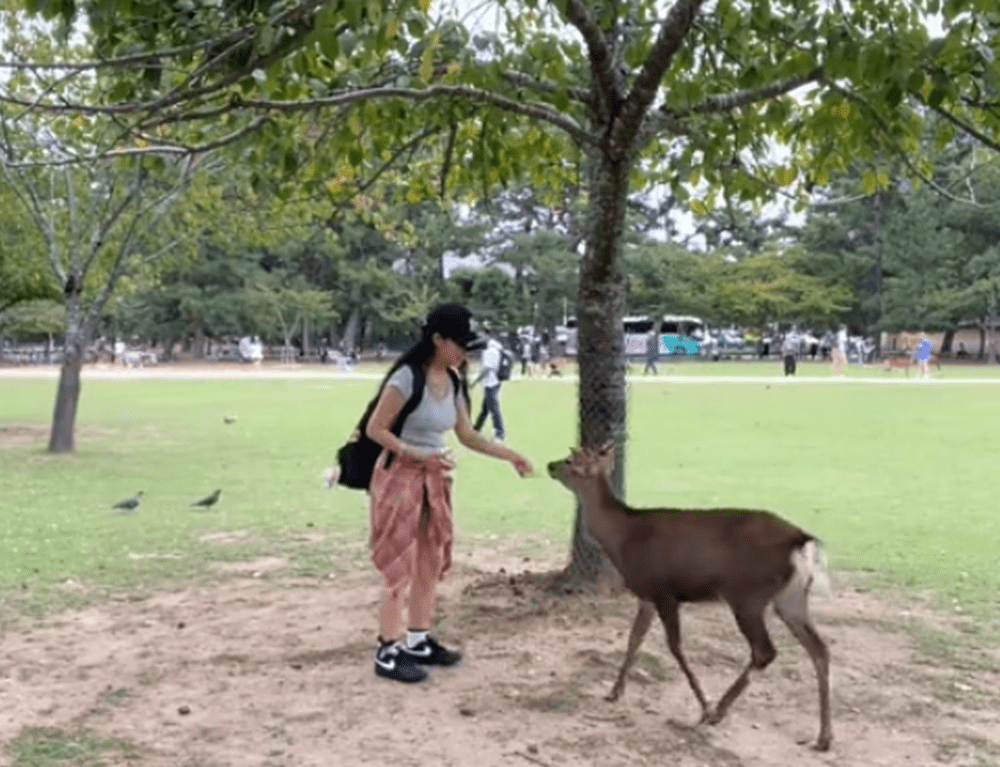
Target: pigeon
[209,501]
[129,505]
[229,419]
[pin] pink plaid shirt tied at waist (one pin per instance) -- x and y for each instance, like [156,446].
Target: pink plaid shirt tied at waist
[398,497]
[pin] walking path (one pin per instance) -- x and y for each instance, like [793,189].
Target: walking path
[875,377]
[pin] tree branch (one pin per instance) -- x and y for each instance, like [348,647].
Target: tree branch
[536,111]
[727,102]
[101,233]
[903,155]
[521,80]
[605,87]
[674,29]
[176,150]
[967,128]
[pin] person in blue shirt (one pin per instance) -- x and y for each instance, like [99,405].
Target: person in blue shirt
[924,350]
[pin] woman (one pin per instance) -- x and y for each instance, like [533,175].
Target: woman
[411,489]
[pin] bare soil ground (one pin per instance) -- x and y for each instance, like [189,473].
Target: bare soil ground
[261,670]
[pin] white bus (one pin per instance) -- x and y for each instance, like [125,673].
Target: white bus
[680,335]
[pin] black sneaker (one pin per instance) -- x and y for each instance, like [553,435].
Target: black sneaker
[430,653]
[390,663]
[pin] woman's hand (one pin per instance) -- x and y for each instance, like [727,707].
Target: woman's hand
[442,459]
[522,465]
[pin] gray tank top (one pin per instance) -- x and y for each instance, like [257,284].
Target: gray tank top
[425,427]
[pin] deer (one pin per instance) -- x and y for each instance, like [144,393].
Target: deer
[747,558]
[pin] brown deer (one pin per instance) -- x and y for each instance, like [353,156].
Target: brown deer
[747,558]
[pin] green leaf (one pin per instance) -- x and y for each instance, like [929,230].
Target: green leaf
[894,95]
[328,43]
[937,95]
[415,26]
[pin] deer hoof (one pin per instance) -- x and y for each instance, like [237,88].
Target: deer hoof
[711,717]
[612,696]
[822,743]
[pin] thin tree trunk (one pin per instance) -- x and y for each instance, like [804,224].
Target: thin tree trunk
[947,341]
[601,353]
[62,438]
[200,344]
[350,338]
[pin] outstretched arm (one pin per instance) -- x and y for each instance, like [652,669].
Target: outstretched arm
[473,440]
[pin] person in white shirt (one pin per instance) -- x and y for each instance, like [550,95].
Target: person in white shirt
[838,355]
[790,351]
[488,374]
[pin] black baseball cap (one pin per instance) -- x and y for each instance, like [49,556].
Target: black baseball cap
[454,321]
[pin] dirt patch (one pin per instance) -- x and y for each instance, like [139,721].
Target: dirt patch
[255,567]
[12,436]
[37,436]
[265,672]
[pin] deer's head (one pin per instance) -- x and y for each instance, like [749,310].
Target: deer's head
[582,464]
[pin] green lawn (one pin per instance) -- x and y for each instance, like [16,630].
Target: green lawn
[894,479]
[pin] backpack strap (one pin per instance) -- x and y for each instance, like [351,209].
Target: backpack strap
[419,381]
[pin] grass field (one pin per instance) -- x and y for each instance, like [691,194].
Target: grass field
[896,480]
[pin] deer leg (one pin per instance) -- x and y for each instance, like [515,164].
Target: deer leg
[792,606]
[668,610]
[762,652]
[639,628]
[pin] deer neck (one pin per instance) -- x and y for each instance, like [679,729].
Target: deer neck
[604,515]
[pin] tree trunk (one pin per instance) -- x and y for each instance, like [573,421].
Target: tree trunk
[62,438]
[947,341]
[200,345]
[601,352]
[350,338]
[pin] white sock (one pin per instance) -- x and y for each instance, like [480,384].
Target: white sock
[414,637]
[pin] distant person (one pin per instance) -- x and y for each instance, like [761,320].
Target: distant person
[962,351]
[924,350]
[765,347]
[489,374]
[790,351]
[826,345]
[411,490]
[652,352]
[838,354]
[525,356]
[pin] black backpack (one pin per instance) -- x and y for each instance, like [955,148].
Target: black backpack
[357,458]
[506,365]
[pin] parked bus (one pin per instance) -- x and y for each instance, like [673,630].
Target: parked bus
[679,335]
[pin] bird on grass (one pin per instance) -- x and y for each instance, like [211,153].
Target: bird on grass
[129,505]
[208,501]
[229,419]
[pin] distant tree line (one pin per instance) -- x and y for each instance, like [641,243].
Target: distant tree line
[900,258]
